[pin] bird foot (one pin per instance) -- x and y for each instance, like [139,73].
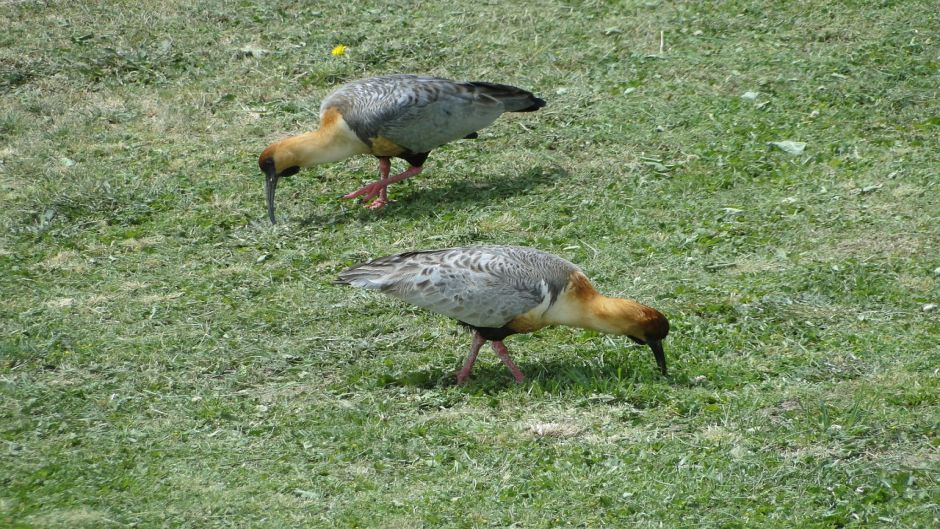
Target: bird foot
[379,203]
[368,191]
[379,187]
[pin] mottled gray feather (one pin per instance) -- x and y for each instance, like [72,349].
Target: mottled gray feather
[421,113]
[484,286]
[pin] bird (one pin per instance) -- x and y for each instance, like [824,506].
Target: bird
[498,291]
[403,116]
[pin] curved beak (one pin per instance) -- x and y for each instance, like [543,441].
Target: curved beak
[270,184]
[657,347]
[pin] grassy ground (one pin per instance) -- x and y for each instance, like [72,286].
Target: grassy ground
[168,359]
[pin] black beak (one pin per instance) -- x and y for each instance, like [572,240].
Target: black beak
[657,347]
[270,184]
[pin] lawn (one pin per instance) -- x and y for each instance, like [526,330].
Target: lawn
[170,359]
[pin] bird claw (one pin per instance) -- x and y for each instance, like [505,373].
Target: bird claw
[367,192]
[378,203]
[375,190]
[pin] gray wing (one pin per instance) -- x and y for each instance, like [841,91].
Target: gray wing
[418,113]
[484,286]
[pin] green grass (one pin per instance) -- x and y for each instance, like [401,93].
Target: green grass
[168,359]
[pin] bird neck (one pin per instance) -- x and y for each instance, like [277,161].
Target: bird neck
[581,305]
[332,142]
[615,315]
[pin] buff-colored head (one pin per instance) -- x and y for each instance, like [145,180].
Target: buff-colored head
[278,160]
[640,323]
[332,142]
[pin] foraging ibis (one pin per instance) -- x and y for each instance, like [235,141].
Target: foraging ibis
[401,116]
[498,291]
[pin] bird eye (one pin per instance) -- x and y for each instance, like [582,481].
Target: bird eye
[266,163]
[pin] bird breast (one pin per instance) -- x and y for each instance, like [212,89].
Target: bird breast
[534,319]
[382,146]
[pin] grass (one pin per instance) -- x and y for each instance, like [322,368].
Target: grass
[168,359]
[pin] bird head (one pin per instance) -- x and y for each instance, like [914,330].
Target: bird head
[651,328]
[276,161]
[644,325]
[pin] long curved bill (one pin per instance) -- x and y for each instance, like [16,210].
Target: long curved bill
[660,355]
[270,185]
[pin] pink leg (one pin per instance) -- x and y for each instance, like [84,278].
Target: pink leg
[503,355]
[385,165]
[478,342]
[378,188]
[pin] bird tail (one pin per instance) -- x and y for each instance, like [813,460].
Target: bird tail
[374,274]
[514,99]
[381,273]
[360,276]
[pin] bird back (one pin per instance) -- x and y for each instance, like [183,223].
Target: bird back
[484,286]
[422,113]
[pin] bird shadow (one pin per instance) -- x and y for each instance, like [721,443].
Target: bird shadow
[554,375]
[416,202]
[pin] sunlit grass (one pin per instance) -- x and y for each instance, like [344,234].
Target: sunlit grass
[169,359]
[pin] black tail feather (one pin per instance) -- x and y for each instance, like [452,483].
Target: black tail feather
[537,103]
[515,99]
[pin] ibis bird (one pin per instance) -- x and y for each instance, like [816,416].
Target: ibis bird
[401,116]
[498,291]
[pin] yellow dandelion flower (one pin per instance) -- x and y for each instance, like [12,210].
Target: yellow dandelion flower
[337,51]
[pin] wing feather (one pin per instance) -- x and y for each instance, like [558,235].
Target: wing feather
[481,286]
[417,113]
